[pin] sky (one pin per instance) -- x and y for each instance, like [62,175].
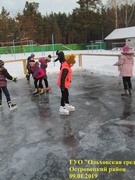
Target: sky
[45,6]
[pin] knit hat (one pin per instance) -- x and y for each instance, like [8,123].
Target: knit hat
[32,60]
[57,52]
[32,63]
[32,55]
[1,63]
[70,58]
[126,49]
[49,58]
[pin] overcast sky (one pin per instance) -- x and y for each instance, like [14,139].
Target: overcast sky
[45,6]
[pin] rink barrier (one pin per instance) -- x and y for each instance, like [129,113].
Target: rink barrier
[80,59]
[116,55]
[24,61]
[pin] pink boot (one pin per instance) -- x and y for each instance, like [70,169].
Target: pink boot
[48,88]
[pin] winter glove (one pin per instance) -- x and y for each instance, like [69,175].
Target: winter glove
[14,79]
[27,75]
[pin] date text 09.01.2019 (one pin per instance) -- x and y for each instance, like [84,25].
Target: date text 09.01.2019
[83,176]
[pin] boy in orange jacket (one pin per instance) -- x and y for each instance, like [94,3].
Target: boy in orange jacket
[64,81]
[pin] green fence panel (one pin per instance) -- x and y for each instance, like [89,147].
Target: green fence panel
[96,45]
[50,47]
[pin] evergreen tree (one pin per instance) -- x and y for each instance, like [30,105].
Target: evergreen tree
[7,25]
[30,23]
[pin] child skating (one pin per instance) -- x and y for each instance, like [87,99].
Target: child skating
[126,64]
[64,81]
[38,74]
[3,85]
[43,64]
[30,58]
[61,57]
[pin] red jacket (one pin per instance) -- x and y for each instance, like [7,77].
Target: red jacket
[3,76]
[68,78]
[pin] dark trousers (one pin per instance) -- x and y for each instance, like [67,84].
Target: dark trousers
[46,83]
[38,85]
[64,97]
[127,83]
[28,75]
[6,92]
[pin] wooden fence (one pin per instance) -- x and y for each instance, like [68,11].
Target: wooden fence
[80,59]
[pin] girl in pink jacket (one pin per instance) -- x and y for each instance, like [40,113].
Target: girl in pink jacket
[43,64]
[38,74]
[126,63]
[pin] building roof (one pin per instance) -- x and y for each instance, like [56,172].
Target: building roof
[122,33]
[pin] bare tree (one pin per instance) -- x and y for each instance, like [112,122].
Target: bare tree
[123,11]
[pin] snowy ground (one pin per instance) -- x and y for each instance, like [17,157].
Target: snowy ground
[96,64]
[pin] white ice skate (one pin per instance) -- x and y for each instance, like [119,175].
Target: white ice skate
[63,110]
[11,105]
[69,107]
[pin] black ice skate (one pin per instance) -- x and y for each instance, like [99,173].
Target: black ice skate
[125,94]
[27,77]
[130,92]
[0,103]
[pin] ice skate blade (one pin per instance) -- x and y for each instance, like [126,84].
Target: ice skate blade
[12,108]
[36,94]
[66,114]
[42,93]
[71,110]
[124,95]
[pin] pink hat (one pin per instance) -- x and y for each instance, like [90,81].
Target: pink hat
[126,49]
